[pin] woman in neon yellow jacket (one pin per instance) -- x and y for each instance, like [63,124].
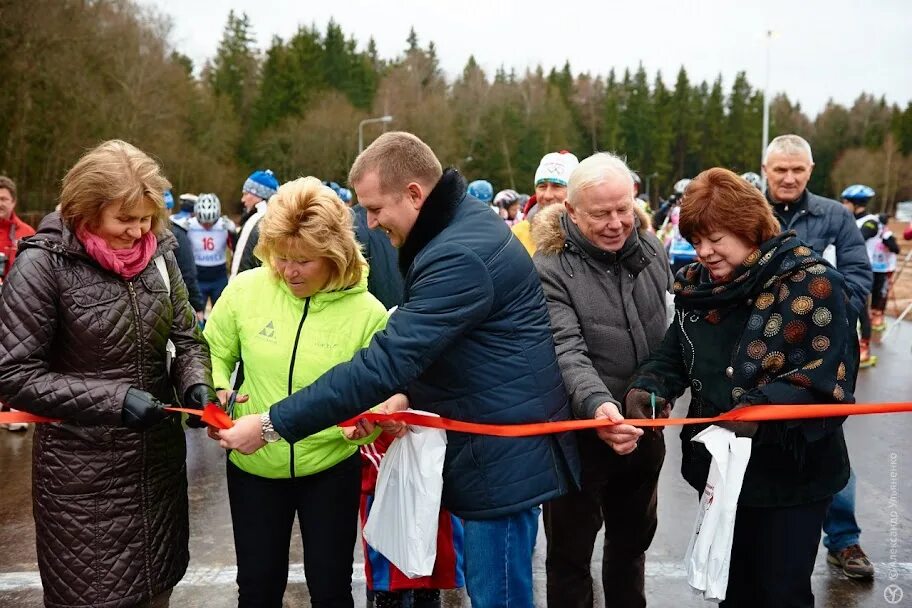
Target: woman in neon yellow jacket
[304,311]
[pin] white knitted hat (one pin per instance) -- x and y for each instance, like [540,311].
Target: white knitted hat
[556,167]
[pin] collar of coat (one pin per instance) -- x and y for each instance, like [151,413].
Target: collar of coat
[776,258]
[436,214]
[55,236]
[555,234]
[808,199]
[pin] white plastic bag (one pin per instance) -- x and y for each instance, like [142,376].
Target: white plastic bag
[402,524]
[709,552]
[669,308]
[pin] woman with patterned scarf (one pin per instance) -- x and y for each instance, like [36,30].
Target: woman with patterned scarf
[759,319]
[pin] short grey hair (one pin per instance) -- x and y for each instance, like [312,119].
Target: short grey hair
[598,168]
[789,144]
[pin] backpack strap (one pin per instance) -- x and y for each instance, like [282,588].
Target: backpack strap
[163,271]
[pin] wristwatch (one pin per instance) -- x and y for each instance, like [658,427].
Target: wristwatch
[268,432]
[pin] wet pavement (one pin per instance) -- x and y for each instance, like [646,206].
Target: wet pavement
[877,444]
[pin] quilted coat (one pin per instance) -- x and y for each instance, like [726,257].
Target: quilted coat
[110,504]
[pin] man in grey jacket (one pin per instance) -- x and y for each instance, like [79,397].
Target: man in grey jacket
[605,279]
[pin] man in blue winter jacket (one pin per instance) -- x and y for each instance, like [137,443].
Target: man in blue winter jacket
[471,341]
[830,230]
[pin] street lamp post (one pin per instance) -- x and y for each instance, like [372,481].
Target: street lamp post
[367,121]
[649,179]
[766,110]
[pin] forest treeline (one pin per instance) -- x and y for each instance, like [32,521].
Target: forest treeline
[76,72]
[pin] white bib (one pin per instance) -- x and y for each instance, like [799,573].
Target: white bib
[209,244]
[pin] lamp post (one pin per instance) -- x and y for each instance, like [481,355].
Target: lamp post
[367,121]
[649,179]
[766,110]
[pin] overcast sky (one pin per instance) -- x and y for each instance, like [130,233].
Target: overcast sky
[821,49]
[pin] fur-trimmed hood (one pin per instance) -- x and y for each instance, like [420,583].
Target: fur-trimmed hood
[550,238]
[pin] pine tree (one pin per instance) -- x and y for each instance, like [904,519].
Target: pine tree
[637,121]
[659,150]
[788,118]
[412,41]
[685,138]
[611,115]
[903,130]
[712,127]
[233,73]
[742,133]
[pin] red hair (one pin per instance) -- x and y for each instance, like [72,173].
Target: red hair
[718,199]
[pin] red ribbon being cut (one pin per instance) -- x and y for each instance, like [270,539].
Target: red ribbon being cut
[754,413]
[213,415]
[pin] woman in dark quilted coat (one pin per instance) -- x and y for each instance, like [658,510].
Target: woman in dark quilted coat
[84,322]
[759,319]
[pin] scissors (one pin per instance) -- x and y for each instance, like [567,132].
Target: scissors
[229,406]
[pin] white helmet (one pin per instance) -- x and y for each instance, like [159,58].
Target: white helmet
[505,197]
[207,209]
[753,179]
[681,185]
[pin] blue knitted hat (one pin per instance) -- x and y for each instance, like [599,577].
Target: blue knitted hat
[262,184]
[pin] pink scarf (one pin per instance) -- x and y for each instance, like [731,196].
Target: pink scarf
[125,262]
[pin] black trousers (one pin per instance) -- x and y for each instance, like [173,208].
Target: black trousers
[773,556]
[880,290]
[263,512]
[626,504]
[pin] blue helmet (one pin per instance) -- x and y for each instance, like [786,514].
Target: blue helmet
[343,193]
[482,190]
[169,200]
[858,193]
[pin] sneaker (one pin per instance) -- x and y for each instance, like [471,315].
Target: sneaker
[877,320]
[853,561]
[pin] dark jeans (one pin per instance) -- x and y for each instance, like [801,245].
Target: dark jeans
[840,526]
[212,289]
[262,513]
[627,506]
[773,556]
[498,559]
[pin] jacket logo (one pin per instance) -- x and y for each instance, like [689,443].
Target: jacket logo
[268,332]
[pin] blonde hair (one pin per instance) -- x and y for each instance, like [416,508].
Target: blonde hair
[112,172]
[398,158]
[307,220]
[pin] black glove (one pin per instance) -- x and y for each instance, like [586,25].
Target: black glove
[141,410]
[740,428]
[197,397]
[638,404]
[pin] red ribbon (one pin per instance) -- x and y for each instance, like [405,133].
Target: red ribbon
[755,413]
[214,415]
